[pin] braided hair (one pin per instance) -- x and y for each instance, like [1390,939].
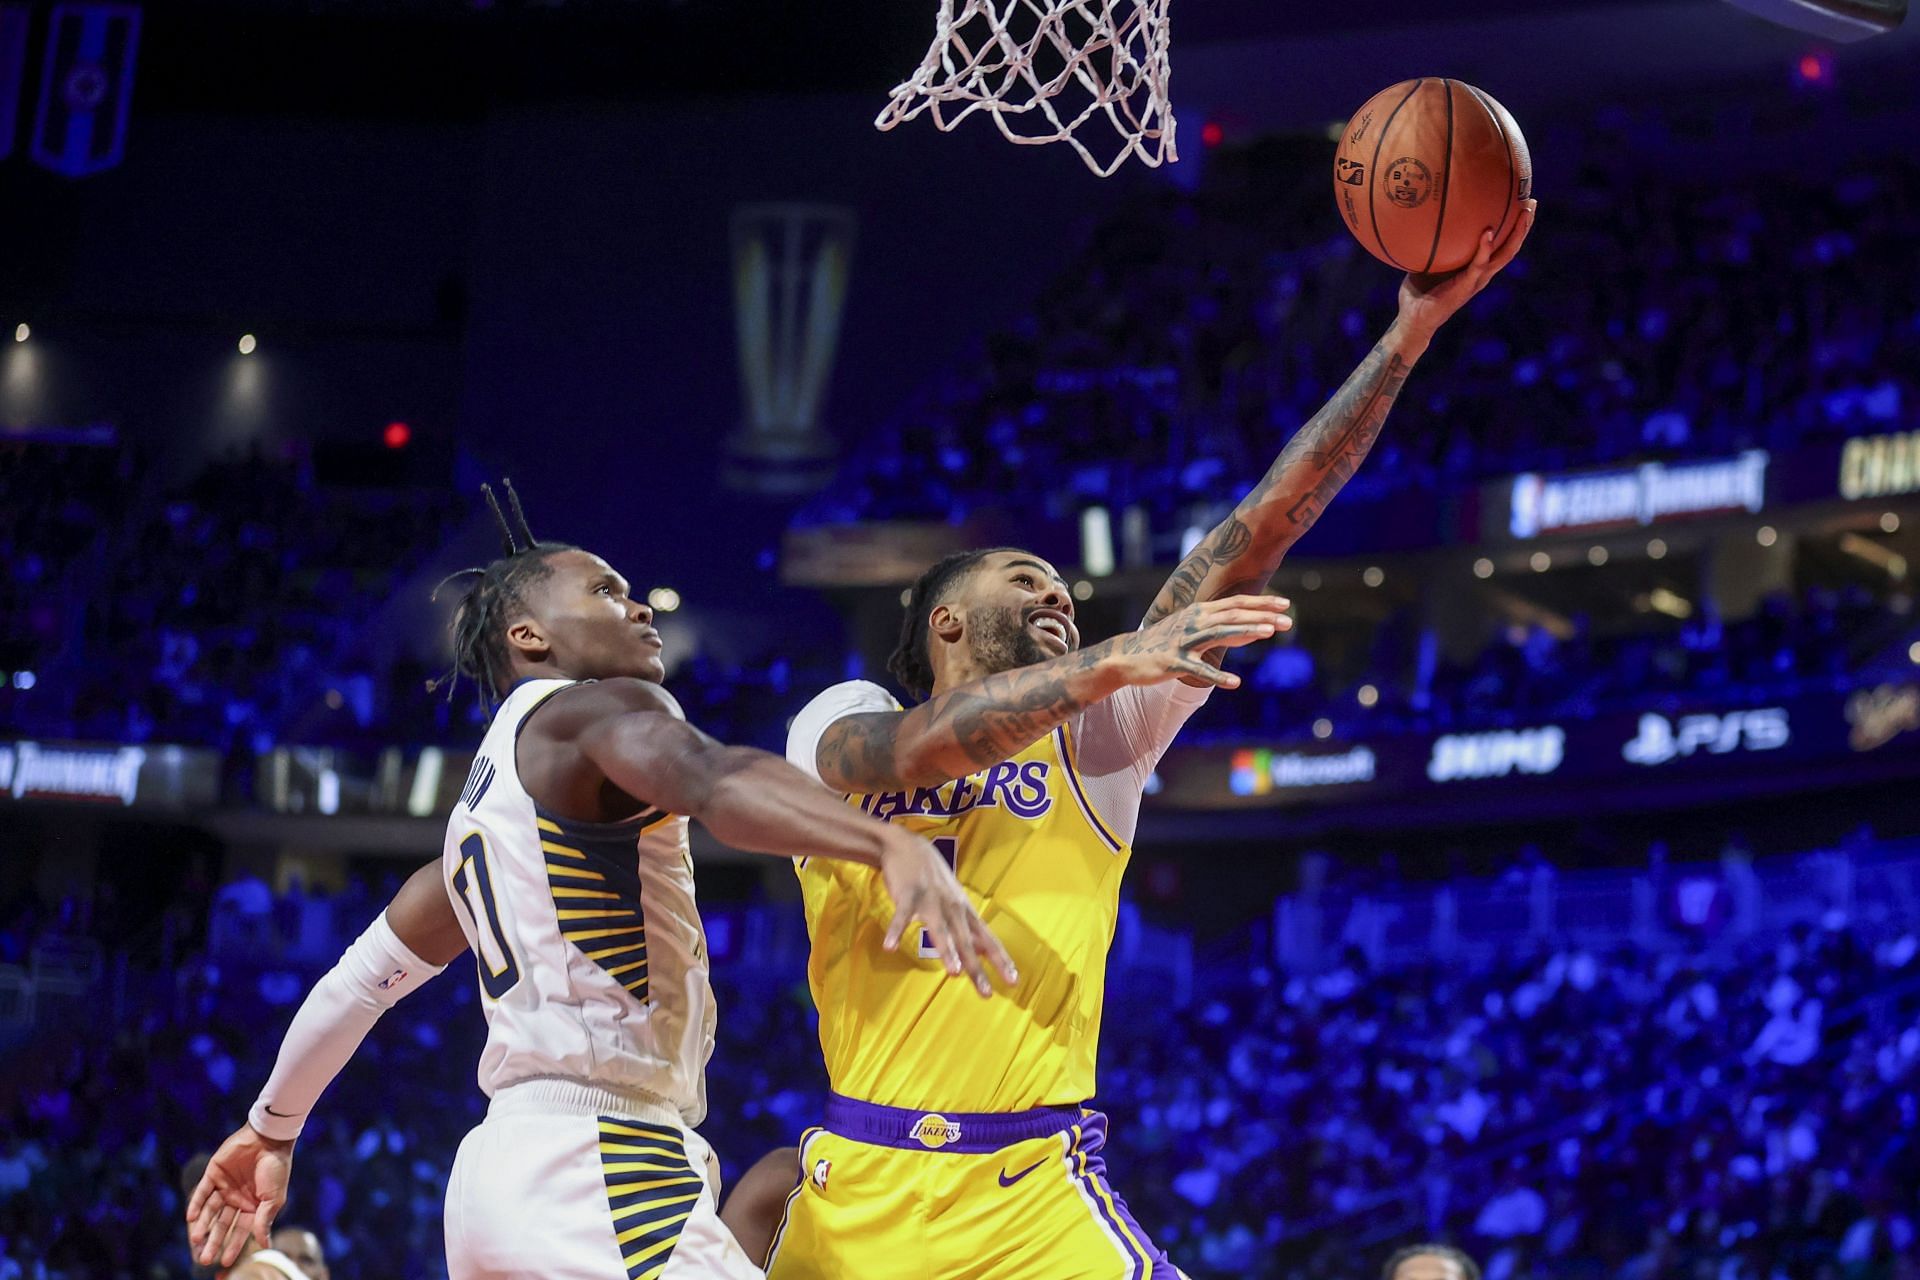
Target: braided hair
[912,661]
[497,596]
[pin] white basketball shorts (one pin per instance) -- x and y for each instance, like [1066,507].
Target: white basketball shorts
[567,1181]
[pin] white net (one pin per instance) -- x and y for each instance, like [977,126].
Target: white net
[1089,73]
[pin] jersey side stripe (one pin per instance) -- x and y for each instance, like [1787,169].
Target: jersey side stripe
[786,1210]
[605,909]
[1131,1253]
[1079,793]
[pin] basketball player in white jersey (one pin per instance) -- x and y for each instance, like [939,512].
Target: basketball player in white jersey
[567,858]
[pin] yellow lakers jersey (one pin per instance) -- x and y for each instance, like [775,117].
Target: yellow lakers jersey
[1044,870]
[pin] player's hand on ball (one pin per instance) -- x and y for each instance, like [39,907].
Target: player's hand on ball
[1427,302]
[924,889]
[1180,645]
[241,1192]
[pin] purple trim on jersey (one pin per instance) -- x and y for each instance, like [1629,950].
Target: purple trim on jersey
[979,1133]
[1079,794]
[1090,1137]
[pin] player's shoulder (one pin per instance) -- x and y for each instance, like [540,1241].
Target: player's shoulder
[836,702]
[850,696]
[573,709]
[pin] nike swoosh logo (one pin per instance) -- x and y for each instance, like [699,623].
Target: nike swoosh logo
[1005,1181]
[284,1115]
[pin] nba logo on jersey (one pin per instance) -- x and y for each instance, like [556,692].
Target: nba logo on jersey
[821,1168]
[934,1132]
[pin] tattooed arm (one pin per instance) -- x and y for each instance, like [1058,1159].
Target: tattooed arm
[1241,553]
[982,723]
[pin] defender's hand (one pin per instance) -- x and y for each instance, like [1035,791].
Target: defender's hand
[1177,646]
[1427,302]
[923,888]
[241,1192]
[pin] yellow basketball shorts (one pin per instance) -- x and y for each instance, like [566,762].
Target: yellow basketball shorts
[893,1194]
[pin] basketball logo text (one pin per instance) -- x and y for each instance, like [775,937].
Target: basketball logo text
[934,1132]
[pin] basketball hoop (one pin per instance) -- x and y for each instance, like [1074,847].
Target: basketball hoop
[1050,71]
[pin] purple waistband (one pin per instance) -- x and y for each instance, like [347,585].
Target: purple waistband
[965,1133]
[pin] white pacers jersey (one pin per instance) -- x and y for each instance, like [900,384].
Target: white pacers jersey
[592,959]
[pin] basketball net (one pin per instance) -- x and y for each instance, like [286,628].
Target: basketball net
[1050,71]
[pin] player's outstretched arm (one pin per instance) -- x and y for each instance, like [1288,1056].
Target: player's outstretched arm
[994,718]
[245,1184]
[1242,552]
[757,802]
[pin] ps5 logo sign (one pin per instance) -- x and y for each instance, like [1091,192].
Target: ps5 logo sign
[1660,740]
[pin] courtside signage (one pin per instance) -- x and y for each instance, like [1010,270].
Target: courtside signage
[1660,740]
[1880,466]
[31,771]
[150,776]
[1877,716]
[1613,749]
[1459,757]
[1651,493]
[1258,771]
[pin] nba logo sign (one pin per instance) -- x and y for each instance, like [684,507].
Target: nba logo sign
[86,88]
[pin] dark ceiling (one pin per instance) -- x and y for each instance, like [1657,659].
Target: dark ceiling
[441,58]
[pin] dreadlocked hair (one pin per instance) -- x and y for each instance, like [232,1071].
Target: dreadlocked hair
[496,596]
[912,661]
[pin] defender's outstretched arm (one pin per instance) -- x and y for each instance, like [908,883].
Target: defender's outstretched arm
[756,801]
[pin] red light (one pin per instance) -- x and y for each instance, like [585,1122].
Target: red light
[1814,68]
[1211,134]
[396,435]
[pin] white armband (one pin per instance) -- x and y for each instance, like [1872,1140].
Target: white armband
[371,977]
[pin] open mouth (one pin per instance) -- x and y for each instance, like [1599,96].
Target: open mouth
[1053,626]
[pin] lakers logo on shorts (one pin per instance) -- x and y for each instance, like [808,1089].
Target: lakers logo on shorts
[934,1132]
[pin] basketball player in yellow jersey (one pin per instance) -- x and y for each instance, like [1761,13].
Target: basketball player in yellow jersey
[956,1143]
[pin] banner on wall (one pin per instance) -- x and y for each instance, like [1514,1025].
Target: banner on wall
[1882,466]
[1571,754]
[1536,504]
[86,88]
[151,776]
[13,71]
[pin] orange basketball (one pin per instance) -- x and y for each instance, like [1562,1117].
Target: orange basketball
[1425,168]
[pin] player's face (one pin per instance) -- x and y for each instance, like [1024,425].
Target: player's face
[1018,611]
[1427,1266]
[592,625]
[304,1248]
